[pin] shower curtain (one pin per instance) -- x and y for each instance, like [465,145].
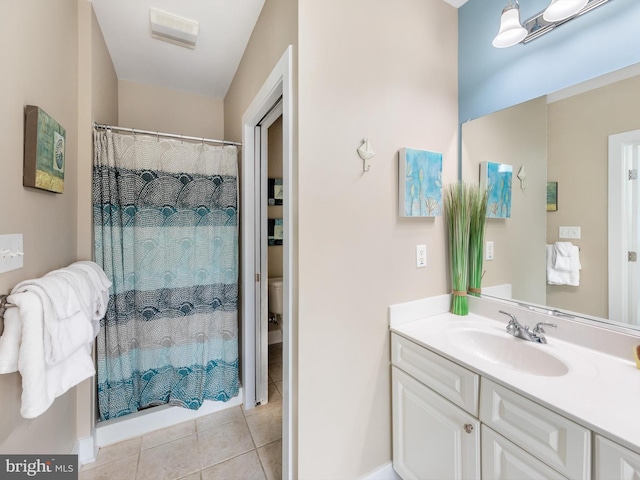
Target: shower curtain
[166,233]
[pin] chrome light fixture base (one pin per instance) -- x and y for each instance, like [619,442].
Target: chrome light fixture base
[538,26]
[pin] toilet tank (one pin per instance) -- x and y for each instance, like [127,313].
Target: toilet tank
[275,295]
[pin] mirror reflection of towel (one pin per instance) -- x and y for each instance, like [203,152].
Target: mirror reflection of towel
[563,264]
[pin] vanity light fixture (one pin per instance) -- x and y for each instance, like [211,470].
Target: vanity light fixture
[557,13]
[173,29]
[561,9]
[511,30]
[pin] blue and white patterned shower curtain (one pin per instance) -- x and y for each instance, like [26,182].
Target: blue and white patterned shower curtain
[166,233]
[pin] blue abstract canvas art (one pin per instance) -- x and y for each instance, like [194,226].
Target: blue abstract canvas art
[496,177]
[420,183]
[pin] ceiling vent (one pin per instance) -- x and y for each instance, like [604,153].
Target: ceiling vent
[173,29]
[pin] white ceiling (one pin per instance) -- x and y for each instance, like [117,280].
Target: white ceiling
[224,31]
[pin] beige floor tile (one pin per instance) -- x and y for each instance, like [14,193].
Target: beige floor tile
[266,423]
[115,452]
[169,461]
[280,387]
[166,435]
[218,418]
[242,467]
[275,353]
[120,469]
[271,458]
[224,442]
[275,371]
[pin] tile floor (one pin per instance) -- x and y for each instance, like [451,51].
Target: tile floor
[227,445]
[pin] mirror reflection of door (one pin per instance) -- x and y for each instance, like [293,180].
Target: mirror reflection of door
[624,233]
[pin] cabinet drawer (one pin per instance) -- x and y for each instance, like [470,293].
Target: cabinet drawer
[615,461]
[503,460]
[450,380]
[554,439]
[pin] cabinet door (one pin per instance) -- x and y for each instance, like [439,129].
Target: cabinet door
[614,461]
[503,460]
[432,438]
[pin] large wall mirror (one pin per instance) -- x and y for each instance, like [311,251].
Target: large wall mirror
[566,137]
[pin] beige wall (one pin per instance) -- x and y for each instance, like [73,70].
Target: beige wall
[97,102]
[579,128]
[386,71]
[149,107]
[32,75]
[276,29]
[56,228]
[516,136]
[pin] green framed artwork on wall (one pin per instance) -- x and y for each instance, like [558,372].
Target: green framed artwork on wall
[44,151]
[552,196]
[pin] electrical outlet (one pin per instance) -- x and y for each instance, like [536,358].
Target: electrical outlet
[421,256]
[488,251]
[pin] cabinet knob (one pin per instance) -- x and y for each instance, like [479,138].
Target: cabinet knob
[468,427]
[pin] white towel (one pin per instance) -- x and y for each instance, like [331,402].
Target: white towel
[49,333]
[41,382]
[569,273]
[73,303]
[562,253]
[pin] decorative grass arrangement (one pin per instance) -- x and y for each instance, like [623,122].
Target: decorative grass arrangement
[457,210]
[479,198]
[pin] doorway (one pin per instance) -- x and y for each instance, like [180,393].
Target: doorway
[254,292]
[624,227]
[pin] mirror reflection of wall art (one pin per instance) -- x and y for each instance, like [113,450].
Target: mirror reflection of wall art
[275,191]
[420,183]
[496,177]
[275,231]
[44,142]
[552,196]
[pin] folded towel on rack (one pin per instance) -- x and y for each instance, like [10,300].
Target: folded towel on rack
[563,258]
[73,303]
[41,382]
[569,271]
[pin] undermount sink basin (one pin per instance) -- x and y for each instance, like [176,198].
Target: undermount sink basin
[508,351]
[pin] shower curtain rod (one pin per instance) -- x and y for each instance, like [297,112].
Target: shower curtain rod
[160,134]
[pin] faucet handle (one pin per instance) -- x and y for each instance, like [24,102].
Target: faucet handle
[538,328]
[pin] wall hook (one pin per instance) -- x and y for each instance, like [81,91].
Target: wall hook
[365,152]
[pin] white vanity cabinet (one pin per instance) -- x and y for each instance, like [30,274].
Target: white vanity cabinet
[437,409]
[615,462]
[433,437]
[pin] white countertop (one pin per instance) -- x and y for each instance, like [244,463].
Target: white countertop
[599,391]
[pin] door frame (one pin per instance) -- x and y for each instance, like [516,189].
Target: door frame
[618,188]
[278,84]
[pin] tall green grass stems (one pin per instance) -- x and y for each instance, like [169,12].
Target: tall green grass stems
[465,209]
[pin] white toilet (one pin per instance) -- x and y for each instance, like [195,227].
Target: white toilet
[275,297]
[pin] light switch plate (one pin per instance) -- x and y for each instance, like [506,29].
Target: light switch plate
[11,252]
[569,232]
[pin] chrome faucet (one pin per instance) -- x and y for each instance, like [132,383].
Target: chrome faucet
[517,330]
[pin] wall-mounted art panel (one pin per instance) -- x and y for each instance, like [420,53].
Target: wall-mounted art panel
[496,177]
[420,183]
[44,151]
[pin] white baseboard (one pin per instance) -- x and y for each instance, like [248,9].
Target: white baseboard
[385,472]
[86,449]
[145,421]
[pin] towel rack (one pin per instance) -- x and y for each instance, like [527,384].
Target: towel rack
[4,304]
